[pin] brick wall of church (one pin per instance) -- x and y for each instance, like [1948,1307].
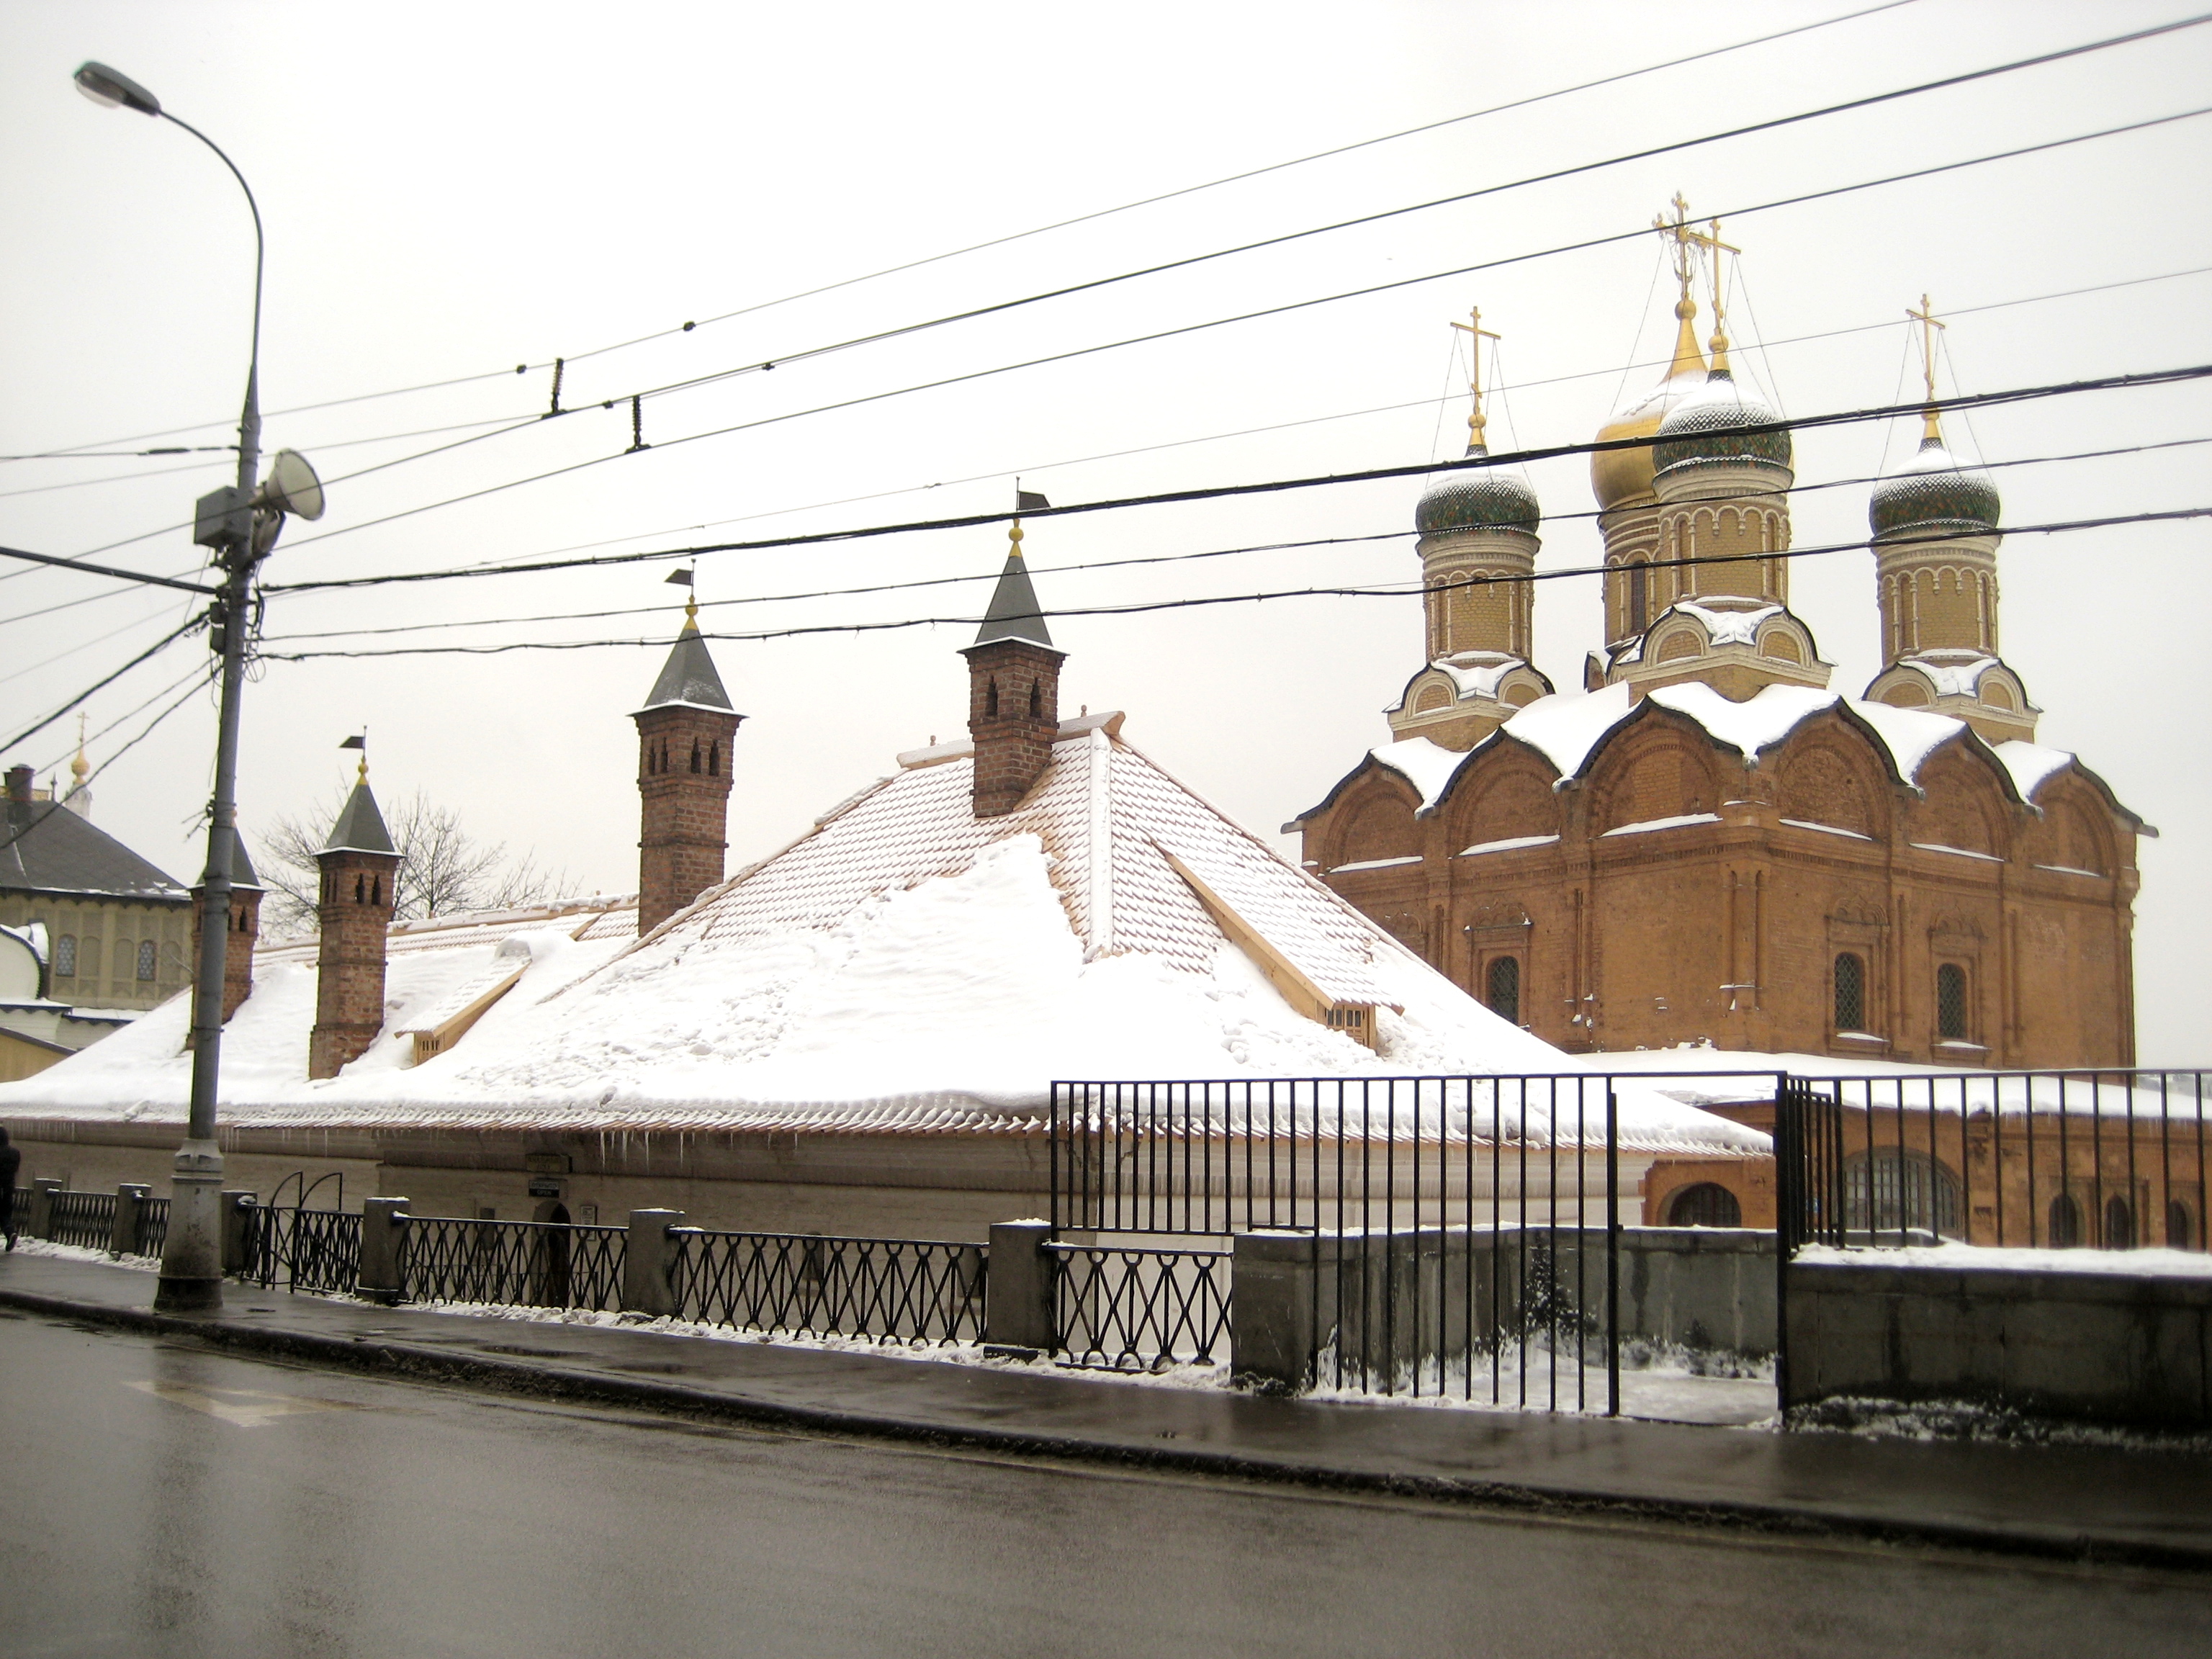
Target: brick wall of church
[1729,928]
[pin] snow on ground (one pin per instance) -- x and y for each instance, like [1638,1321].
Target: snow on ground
[1977,1258]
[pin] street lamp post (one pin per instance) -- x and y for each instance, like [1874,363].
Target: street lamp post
[191,1258]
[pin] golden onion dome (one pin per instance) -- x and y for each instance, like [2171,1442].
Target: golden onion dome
[1623,476]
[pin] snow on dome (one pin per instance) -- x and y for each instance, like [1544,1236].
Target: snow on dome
[1478,498]
[1934,494]
[1619,475]
[1704,429]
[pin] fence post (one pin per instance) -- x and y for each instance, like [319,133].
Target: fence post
[123,1230]
[383,1231]
[1019,1309]
[648,1284]
[40,1223]
[237,1208]
[1275,1330]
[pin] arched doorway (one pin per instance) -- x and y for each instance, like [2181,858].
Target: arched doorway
[1707,1204]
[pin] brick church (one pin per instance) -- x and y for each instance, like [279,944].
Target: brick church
[1707,840]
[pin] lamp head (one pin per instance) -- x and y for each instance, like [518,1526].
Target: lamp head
[115,89]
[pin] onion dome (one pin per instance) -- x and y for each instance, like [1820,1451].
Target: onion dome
[1705,429]
[1478,498]
[1933,494]
[1623,475]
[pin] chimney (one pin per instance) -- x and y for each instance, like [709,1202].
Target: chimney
[18,785]
[245,930]
[685,731]
[1013,690]
[359,889]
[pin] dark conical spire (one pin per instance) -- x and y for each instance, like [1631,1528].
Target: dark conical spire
[360,828]
[1014,612]
[688,675]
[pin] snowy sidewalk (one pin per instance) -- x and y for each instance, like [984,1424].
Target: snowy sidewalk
[2118,1502]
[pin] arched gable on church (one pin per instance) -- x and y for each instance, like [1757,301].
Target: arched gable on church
[1831,772]
[1658,765]
[1373,819]
[1966,797]
[1505,795]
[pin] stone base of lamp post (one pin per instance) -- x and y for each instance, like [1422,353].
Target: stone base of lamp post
[192,1256]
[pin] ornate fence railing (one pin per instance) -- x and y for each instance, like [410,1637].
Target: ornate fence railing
[1140,1307]
[84,1219]
[152,1225]
[536,1264]
[890,1290]
[303,1249]
[2055,1160]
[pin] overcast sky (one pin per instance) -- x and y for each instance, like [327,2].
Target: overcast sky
[451,191]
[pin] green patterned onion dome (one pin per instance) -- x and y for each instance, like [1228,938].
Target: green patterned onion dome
[1933,493]
[1702,431]
[1481,498]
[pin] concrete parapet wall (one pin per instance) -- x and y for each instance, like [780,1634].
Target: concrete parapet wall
[2112,1347]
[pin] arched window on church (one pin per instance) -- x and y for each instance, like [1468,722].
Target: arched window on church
[991,701]
[2119,1223]
[2178,1229]
[1851,993]
[65,957]
[376,890]
[695,754]
[2065,1232]
[1951,1003]
[715,758]
[1639,596]
[148,952]
[1036,700]
[1502,989]
[360,888]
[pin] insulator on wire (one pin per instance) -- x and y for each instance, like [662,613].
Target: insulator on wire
[559,364]
[637,426]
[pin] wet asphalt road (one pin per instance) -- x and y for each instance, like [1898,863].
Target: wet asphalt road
[160,1499]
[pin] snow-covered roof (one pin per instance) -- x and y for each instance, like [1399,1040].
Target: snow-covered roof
[46,848]
[903,967]
[1721,627]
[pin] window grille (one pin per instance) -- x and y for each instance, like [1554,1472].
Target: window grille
[1707,1204]
[147,952]
[65,957]
[1892,1190]
[1502,990]
[1851,993]
[1951,1003]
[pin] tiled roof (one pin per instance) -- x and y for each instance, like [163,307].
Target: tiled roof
[48,849]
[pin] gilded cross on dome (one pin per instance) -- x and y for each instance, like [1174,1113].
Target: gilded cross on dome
[1476,334]
[1931,431]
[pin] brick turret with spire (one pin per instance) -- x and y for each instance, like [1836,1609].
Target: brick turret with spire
[245,892]
[1013,687]
[685,732]
[359,889]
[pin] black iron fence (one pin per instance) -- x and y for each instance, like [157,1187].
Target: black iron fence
[2107,1159]
[84,1219]
[537,1264]
[892,1290]
[152,1225]
[303,1249]
[1466,1230]
[1122,1307]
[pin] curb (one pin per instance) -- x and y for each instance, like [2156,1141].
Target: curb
[551,1380]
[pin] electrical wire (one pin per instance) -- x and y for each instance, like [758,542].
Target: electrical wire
[1389,591]
[1214,492]
[1115,564]
[203,676]
[1194,328]
[158,645]
[1084,218]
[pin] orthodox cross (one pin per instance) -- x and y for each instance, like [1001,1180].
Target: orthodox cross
[1929,322]
[1476,334]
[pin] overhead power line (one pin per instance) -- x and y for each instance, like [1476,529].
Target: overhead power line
[1395,591]
[155,649]
[200,676]
[1215,492]
[1040,230]
[1038,569]
[971,376]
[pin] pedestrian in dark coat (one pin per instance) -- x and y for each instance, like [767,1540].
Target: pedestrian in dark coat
[11,1161]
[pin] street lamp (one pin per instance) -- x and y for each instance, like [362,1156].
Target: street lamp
[240,525]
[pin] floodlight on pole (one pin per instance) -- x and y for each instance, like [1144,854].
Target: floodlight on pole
[240,525]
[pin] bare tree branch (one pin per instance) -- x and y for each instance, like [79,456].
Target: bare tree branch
[442,868]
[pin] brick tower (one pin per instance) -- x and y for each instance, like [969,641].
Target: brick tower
[1013,690]
[360,888]
[245,929]
[685,731]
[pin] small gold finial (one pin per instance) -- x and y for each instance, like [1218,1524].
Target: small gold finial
[1932,429]
[1476,333]
[80,767]
[691,610]
[1014,540]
